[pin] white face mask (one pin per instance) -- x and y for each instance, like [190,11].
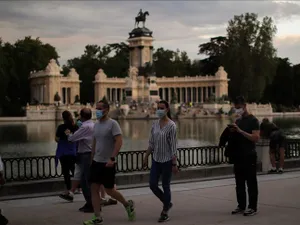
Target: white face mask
[239,111]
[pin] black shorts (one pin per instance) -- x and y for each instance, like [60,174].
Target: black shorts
[276,144]
[100,174]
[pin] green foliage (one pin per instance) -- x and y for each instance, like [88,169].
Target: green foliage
[16,62]
[247,53]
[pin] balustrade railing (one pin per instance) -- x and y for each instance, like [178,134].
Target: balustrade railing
[43,167]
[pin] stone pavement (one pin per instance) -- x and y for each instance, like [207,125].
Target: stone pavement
[208,203]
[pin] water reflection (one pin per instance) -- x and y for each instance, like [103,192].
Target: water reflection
[37,138]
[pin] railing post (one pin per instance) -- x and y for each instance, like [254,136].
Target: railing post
[262,148]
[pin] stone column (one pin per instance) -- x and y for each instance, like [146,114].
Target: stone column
[121,95]
[186,94]
[110,95]
[206,92]
[42,93]
[192,94]
[202,94]
[197,94]
[163,93]
[262,149]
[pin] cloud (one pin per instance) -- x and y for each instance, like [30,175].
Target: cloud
[70,25]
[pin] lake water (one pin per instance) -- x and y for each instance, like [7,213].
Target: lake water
[18,139]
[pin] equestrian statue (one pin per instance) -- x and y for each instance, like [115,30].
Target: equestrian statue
[141,17]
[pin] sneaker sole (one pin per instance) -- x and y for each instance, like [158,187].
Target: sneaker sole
[237,213]
[162,221]
[252,214]
[68,200]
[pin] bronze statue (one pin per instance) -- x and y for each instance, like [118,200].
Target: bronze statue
[141,17]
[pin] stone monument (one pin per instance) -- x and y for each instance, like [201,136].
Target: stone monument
[138,85]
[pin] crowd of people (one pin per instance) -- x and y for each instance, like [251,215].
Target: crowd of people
[87,152]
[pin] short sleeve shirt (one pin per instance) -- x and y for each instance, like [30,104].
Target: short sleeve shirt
[104,134]
[247,124]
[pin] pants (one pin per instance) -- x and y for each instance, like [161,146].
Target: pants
[84,162]
[165,171]
[67,165]
[245,172]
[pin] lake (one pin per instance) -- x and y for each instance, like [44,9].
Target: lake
[19,139]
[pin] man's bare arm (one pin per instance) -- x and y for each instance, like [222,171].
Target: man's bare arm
[118,145]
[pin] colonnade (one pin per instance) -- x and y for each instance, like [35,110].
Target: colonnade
[114,94]
[187,94]
[66,96]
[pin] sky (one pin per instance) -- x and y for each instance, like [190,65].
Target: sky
[71,25]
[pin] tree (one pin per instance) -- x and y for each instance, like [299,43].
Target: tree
[296,82]
[16,62]
[281,91]
[250,55]
[87,65]
[215,49]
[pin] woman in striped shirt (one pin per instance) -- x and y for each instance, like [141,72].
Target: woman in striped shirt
[163,146]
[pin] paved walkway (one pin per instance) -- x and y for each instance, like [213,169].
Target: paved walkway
[206,203]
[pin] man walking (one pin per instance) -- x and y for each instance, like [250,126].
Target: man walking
[245,135]
[106,146]
[84,136]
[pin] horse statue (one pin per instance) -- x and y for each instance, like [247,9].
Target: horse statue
[141,18]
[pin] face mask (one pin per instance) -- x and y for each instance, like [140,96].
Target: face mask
[79,123]
[239,111]
[99,114]
[160,113]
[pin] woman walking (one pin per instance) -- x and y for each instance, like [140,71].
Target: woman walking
[66,151]
[163,146]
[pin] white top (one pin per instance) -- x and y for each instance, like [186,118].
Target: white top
[163,141]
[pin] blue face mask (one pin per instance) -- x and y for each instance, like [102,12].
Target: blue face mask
[160,113]
[99,114]
[79,123]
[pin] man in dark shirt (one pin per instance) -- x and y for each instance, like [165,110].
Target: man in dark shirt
[277,139]
[245,135]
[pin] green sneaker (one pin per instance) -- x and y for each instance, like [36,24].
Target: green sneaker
[94,221]
[130,210]
[163,218]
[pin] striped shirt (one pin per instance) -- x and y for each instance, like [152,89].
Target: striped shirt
[163,142]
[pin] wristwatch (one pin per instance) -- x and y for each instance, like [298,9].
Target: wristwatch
[113,159]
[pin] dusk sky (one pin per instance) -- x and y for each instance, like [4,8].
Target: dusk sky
[71,25]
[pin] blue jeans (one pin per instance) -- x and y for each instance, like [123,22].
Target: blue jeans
[165,171]
[84,162]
